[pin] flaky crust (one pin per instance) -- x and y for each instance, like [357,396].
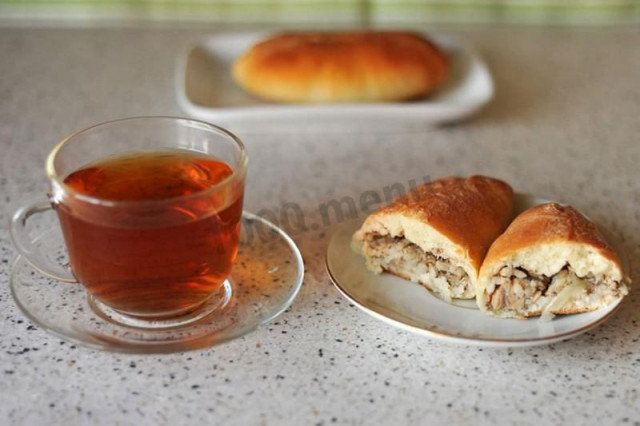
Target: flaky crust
[319,67]
[459,217]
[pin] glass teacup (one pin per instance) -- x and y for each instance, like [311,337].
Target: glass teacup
[150,209]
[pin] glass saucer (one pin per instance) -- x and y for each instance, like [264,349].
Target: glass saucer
[266,277]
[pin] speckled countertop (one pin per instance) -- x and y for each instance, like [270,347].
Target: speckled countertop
[564,124]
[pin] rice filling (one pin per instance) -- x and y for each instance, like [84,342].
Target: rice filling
[518,290]
[403,258]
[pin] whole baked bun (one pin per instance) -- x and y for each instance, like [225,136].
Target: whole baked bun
[326,67]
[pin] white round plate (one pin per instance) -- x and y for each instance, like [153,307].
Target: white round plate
[266,277]
[409,306]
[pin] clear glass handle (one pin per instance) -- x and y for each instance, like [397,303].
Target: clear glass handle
[27,248]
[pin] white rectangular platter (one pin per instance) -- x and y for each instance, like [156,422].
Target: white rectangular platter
[206,90]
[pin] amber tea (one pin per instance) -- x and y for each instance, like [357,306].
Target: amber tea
[159,250]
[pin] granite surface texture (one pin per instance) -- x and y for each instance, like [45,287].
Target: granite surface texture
[564,125]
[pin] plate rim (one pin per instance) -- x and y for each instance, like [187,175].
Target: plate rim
[471,340]
[441,112]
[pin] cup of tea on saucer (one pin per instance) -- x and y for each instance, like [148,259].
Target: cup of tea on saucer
[150,213]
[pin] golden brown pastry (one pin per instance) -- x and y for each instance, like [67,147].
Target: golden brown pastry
[365,66]
[438,234]
[550,259]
